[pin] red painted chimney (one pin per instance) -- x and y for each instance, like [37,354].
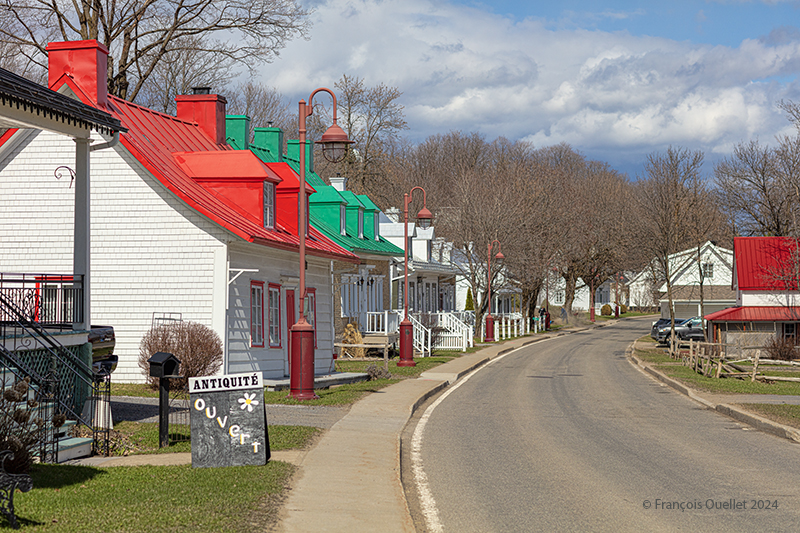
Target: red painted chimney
[207,110]
[86,62]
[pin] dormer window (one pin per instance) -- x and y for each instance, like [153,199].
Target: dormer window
[269,204]
[342,219]
[360,223]
[377,222]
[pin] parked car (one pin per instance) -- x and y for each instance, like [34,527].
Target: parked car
[660,323]
[690,328]
[103,342]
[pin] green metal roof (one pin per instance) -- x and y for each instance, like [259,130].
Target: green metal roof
[323,204]
[354,244]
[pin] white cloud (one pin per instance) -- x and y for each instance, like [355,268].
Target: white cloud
[604,93]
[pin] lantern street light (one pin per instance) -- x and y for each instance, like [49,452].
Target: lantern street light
[301,357]
[424,217]
[489,318]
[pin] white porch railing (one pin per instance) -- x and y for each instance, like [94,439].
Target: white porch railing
[382,322]
[506,326]
[422,337]
[454,333]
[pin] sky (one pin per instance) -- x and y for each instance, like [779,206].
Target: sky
[616,80]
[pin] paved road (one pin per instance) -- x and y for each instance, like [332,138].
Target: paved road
[567,435]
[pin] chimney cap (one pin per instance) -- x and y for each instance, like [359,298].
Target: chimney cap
[201,90]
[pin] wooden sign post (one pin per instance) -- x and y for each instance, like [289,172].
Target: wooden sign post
[229,421]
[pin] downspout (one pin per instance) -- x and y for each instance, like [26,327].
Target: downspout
[110,144]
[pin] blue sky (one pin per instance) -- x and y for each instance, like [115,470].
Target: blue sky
[616,80]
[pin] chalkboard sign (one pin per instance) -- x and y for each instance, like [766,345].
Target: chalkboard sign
[229,421]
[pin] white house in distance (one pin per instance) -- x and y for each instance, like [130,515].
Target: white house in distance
[431,283]
[717,268]
[182,225]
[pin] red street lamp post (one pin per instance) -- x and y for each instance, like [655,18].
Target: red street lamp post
[301,358]
[424,217]
[489,318]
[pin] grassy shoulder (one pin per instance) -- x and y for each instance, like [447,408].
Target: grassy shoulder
[788,415]
[152,498]
[135,438]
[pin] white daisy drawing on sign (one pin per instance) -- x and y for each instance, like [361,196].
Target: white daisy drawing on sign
[248,402]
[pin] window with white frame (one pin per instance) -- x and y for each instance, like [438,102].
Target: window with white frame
[360,223]
[274,300]
[342,219]
[377,223]
[257,314]
[269,204]
[708,270]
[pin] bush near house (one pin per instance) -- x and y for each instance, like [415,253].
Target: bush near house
[605,310]
[623,309]
[470,305]
[197,347]
[781,348]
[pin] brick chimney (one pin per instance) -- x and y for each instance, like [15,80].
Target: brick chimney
[207,110]
[86,62]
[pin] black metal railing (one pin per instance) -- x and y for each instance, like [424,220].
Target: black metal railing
[54,301]
[53,369]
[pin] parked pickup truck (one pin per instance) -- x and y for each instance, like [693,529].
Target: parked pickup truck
[103,341]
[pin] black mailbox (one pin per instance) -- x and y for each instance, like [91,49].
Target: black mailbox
[164,365]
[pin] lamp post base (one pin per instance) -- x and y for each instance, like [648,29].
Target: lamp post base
[406,344]
[489,328]
[301,362]
[591,314]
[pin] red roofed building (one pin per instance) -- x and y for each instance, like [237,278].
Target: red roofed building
[766,272]
[182,225]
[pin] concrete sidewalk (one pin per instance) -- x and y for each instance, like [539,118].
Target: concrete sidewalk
[350,481]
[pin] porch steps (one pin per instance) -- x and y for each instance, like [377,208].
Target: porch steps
[68,447]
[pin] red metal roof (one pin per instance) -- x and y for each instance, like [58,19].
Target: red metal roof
[765,263]
[756,314]
[161,143]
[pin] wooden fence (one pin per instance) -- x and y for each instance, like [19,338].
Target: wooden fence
[712,360]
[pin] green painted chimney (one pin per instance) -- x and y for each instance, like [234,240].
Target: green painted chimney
[237,131]
[293,152]
[270,139]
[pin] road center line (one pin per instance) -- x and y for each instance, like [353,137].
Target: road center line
[427,503]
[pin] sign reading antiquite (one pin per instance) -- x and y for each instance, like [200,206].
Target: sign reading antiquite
[229,423]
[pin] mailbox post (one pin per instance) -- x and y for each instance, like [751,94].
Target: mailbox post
[163,366]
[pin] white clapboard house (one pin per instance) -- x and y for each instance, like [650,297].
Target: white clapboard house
[182,225]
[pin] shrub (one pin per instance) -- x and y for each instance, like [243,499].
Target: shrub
[197,347]
[605,310]
[781,348]
[377,372]
[470,304]
[623,309]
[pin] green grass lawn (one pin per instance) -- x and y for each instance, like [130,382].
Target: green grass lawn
[788,415]
[152,498]
[130,438]
[738,386]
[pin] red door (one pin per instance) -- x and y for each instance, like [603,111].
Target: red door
[290,320]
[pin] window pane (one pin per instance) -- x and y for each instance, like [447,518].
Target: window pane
[257,315]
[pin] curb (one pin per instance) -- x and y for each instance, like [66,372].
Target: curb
[756,422]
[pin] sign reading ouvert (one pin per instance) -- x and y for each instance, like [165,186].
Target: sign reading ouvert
[228,419]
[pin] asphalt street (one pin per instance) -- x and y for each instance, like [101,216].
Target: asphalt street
[567,435]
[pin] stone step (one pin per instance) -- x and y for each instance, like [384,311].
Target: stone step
[73,448]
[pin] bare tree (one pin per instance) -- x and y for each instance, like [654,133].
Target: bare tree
[179,71]
[666,198]
[141,33]
[751,192]
[372,117]
[264,105]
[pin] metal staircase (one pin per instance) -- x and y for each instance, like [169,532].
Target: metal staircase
[64,386]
